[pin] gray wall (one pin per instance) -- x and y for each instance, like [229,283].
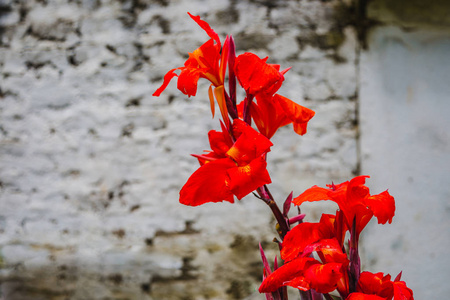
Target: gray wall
[405,142]
[91,163]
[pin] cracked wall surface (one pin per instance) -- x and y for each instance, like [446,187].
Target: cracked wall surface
[91,163]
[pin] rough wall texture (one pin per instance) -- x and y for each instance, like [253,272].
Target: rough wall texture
[91,164]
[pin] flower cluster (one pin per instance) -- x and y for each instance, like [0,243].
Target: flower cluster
[236,166]
[338,268]
[317,260]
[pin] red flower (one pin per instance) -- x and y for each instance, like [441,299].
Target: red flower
[302,235]
[230,169]
[328,250]
[203,62]
[272,112]
[301,270]
[377,286]
[208,61]
[354,201]
[256,76]
[305,273]
[361,296]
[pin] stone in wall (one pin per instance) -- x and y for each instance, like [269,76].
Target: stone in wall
[91,163]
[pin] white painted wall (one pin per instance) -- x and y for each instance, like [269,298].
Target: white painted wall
[91,164]
[405,145]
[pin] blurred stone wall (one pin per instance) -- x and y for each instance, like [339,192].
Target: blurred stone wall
[91,163]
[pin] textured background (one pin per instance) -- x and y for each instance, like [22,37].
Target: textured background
[91,163]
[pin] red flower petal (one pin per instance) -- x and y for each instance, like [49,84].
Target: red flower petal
[324,278]
[246,179]
[288,274]
[383,207]
[206,157]
[220,142]
[304,273]
[224,57]
[255,75]
[187,80]
[361,296]
[298,114]
[301,236]
[239,127]
[370,283]
[167,78]
[205,26]
[377,284]
[329,251]
[401,291]
[354,200]
[312,194]
[249,145]
[210,183]
[206,58]
[268,115]
[299,282]
[356,190]
[361,213]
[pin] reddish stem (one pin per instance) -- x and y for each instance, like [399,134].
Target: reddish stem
[266,196]
[354,268]
[247,103]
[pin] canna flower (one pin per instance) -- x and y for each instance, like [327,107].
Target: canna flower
[305,234]
[355,202]
[256,76]
[273,112]
[306,238]
[305,272]
[301,270]
[230,169]
[261,80]
[203,62]
[372,286]
[361,296]
[209,61]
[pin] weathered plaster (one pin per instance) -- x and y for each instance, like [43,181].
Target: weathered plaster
[404,112]
[91,163]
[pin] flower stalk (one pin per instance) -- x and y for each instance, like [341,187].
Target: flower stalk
[355,262]
[282,221]
[315,259]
